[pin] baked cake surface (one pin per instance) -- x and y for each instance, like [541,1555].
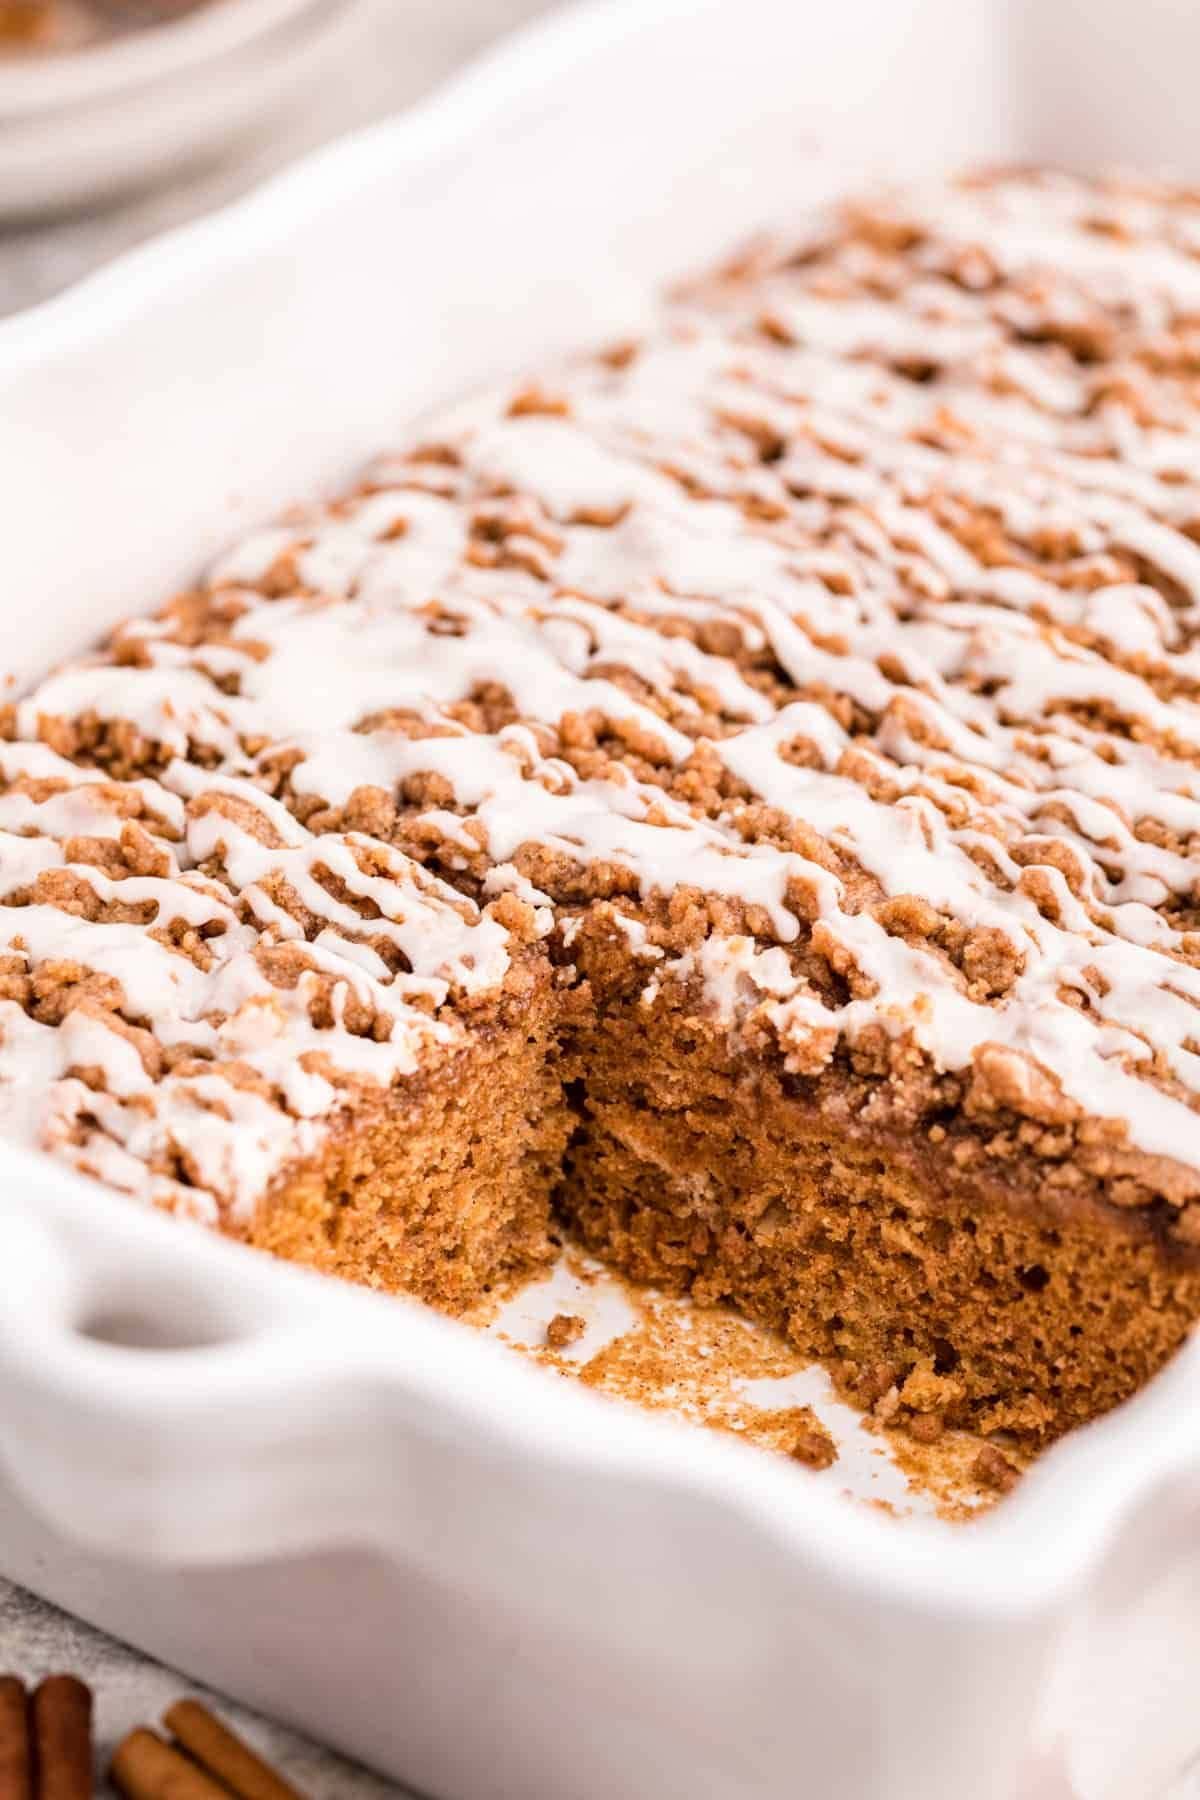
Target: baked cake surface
[739,792]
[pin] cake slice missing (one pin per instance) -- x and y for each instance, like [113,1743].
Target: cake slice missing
[737,794]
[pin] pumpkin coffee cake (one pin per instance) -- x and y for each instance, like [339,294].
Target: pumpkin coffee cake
[738,793]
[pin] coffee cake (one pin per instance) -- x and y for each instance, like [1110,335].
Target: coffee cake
[737,793]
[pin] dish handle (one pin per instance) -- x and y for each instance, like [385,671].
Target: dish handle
[150,1405]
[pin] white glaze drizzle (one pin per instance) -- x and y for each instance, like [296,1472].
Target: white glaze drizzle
[785,505]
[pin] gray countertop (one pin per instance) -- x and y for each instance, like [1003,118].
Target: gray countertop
[36,1639]
[403,48]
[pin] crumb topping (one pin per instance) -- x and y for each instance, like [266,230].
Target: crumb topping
[839,639]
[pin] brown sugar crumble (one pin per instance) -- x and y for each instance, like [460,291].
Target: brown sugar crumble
[736,798]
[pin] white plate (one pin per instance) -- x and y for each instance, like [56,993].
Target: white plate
[85,124]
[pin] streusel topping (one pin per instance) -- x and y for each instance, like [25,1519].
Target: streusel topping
[838,639]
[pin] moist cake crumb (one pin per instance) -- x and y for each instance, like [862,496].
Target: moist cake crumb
[991,1469]
[737,797]
[563,1330]
[927,1427]
[808,1441]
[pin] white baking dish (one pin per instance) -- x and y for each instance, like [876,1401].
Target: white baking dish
[355,1514]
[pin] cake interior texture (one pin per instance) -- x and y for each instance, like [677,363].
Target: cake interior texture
[735,795]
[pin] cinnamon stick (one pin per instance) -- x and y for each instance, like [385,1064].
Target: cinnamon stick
[145,1768]
[225,1755]
[62,1733]
[16,1761]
